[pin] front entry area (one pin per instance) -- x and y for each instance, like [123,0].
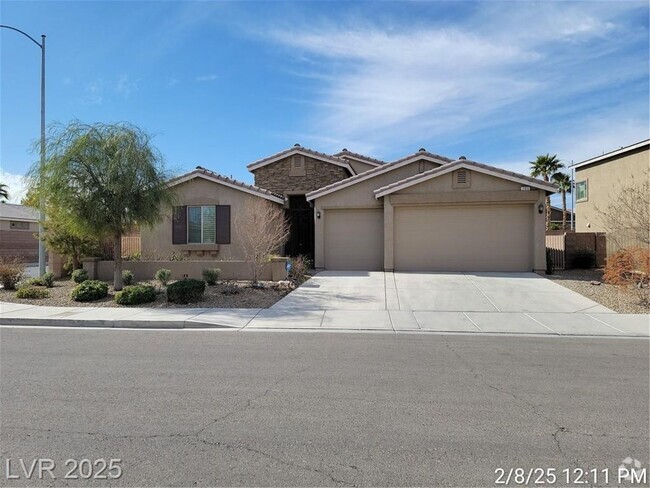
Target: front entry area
[464,238]
[301,228]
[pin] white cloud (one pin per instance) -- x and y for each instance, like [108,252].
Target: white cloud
[125,86]
[172,82]
[210,77]
[17,185]
[94,92]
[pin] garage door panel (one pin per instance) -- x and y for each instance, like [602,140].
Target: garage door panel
[354,239]
[463,238]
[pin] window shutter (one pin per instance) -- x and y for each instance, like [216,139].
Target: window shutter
[179,225]
[223,224]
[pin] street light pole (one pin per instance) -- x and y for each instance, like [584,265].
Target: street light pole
[41,244]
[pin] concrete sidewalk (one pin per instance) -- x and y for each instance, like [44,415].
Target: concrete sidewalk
[393,321]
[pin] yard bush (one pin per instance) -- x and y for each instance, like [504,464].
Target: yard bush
[11,269]
[163,276]
[230,288]
[186,291]
[630,268]
[79,275]
[211,275]
[89,290]
[48,280]
[32,292]
[583,259]
[135,295]
[127,278]
[300,265]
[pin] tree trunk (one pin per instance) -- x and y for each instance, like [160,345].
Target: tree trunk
[563,210]
[547,209]
[117,257]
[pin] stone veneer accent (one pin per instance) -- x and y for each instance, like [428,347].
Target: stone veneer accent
[276,176]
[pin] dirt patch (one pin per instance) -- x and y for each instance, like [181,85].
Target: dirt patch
[246,297]
[611,296]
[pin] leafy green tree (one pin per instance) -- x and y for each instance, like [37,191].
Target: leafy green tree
[109,177]
[563,182]
[545,166]
[4,192]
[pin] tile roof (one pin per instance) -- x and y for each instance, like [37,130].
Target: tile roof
[298,148]
[411,180]
[200,170]
[384,168]
[11,211]
[616,152]
[344,152]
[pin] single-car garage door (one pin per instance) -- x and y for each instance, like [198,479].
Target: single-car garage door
[354,239]
[463,238]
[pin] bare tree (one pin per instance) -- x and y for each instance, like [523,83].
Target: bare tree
[263,228]
[627,217]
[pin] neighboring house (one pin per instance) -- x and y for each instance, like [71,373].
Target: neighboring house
[556,217]
[349,211]
[18,226]
[599,181]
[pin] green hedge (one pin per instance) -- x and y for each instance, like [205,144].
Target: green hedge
[211,275]
[135,295]
[186,291]
[32,292]
[89,290]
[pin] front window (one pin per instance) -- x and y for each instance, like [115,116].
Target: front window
[201,225]
[581,191]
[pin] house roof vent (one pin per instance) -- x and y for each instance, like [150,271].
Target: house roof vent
[463,158]
[297,145]
[422,150]
[345,149]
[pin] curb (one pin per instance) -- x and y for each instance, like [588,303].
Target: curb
[116,324]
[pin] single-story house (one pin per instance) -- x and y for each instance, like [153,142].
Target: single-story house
[18,230]
[423,212]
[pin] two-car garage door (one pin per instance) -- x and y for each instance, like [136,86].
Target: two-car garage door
[463,238]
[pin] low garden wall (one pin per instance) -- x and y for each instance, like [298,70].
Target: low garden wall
[274,270]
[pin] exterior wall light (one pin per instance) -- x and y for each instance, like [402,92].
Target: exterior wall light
[318,214]
[540,208]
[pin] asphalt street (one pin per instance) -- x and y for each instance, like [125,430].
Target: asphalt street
[209,408]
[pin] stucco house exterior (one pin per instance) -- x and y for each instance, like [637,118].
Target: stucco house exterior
[347,211]
[599,181]
[18,228]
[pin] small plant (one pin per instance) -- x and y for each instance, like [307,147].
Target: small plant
[630,268]
[127,278]
[89,290]
[135,295]
[29,282]
[583,259]
[163,276]
[11,271]
[32,292]
[300,265]
[177,256]
[211,275]
[186,291]
[136,256]
[48,279]
[79,275]
[230,288]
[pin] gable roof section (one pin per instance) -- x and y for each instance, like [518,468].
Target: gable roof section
[379,170]
[206,174]
[469,165]
[305,152]
[611,154]
[23,213]
[345,154]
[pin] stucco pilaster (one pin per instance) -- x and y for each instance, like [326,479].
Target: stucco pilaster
[388,234]
[539,233]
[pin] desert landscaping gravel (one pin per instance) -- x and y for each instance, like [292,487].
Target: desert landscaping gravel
[246,297]
[611,296]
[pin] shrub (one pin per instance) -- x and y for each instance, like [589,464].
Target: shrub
[230,288]
[211,275]
[29,282]
[583,259]
[48,279]
[300,265]
[89,290]
[32,292]
[630,268]
[79,275]
[135,295]
[127,278]
[186,291]
[10,272]
[163,275]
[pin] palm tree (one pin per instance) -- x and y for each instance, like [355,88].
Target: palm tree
[563,182]
[4,191]
[546,166]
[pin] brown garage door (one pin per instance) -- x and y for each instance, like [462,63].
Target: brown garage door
[354,239]
[464,238]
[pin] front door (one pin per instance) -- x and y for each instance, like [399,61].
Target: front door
[301,225]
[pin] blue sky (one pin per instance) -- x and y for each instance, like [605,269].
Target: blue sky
[221,84]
